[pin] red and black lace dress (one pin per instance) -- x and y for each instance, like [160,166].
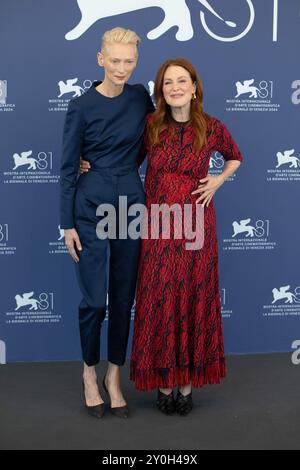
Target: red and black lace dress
[178,336]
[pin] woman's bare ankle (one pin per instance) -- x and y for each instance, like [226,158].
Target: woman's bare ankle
[185,389]
[89,373]
[166,391]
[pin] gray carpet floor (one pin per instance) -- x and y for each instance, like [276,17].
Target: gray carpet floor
[256,407]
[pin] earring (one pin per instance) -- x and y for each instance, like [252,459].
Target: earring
[194,96]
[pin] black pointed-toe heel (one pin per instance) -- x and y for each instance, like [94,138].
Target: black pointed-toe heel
[96,411]
[119,411]
[184,404]
[166,403]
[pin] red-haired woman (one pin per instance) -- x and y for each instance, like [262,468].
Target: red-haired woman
[178,338]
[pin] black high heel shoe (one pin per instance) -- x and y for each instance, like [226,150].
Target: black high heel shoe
[166,403]
[184,404]
[96,411]
[119,411]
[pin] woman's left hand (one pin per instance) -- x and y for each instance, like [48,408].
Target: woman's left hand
[84,166]
[207,188]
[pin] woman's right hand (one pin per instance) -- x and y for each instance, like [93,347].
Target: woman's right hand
[84,166]
[72,241]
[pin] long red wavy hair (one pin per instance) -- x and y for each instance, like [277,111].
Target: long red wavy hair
[160,119]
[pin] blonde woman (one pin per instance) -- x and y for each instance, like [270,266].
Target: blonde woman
[105,125]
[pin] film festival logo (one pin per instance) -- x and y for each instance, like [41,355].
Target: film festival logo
[253,97]
[29,168]
[287,167]
[5,248]
[30,308]
[70,87]
[58,246]
[26,300]
[25,159]
[4,106]
[67,90]
[283,294]
[176,14]
[285,302]
[247,235]
[2,352]
[216,165]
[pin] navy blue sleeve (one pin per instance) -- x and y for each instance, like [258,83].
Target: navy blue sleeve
[72,145]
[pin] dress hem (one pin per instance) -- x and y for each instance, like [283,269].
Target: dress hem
[198,376]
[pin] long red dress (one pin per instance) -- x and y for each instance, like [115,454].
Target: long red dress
[178,336]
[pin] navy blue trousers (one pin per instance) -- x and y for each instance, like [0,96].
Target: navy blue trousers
[97,187]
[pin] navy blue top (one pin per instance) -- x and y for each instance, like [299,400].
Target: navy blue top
[105,131]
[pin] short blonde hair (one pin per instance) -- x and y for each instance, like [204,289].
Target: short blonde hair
[119,35]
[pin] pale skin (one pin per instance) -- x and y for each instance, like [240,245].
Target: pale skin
[178,91]
[119,61]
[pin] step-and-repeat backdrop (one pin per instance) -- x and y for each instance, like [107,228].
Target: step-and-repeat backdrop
[247,55]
